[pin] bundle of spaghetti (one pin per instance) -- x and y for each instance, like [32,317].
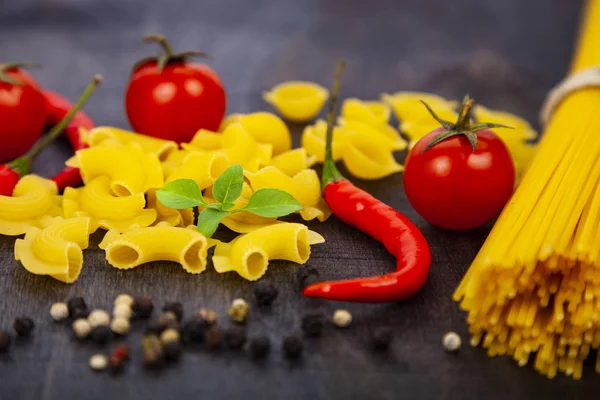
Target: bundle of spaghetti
[533,291]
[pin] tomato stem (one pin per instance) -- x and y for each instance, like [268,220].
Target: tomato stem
[4,68]
[330,171]
[170,55]
[23,164]
[161,40]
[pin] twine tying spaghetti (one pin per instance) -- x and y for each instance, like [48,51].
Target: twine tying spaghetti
[587,78]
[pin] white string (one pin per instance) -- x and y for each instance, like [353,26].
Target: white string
[586,78]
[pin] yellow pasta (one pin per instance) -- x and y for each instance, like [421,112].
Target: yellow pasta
[102,134]
[33,198]
[185,246]
[242,222]
[228,120]
[305,186]
[293,161]
[55,250]
[268,128]
[131,169]
[97,201]
[384,136]
[313,140]
[366,159]
[297,101]
[249,254]
[203,167]
[408,106]
[174,160]
[207,140]
[183,217]
[371,112]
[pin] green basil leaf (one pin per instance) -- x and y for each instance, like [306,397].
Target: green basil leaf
[215,206]
[208,221]
[272,203]
[228,187]
[181,193]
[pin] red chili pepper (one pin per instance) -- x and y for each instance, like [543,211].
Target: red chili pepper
[57,107]
[11,173]
[400,237]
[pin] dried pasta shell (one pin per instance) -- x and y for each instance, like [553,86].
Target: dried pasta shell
[268,128]
[228,120]
[384,135]
[202,167]
[297,101]
[249,254]
[366,159]
[185,246]
[99,135]
[293,161]
[371,112]
[55,250]
[407,106]
[207,140]
[33,198]
[313,140]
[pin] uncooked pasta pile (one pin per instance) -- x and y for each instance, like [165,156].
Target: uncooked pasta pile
[533,291]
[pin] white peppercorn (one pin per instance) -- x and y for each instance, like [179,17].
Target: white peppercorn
[239,310]
[124,299]
[122,310]
[451,342]
[59,311]
[169,335]
[82,328]
[120,326]
[98,362]
[342,318]
[98,317]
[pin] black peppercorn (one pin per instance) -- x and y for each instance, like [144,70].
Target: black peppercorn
[260,346]
[381,337]
[172,351]
[76,303]
[213,337]
[313,323]
[155,327]
[101,334]
[142,307]
[265,292]
[23,326]
[4,341]
[307,275]
[169,320]
[292,346]
[234,337]
[193,331]
[78,313]
[176,308]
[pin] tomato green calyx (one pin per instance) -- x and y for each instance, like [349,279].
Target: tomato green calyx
[22,165]
[4,68]
[169,55]
[330,171]
[463,125]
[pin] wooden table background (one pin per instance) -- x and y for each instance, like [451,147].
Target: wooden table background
[507,54]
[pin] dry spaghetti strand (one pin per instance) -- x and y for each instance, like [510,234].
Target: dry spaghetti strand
[533,291]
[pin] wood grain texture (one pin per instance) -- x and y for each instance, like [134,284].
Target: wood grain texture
[507,54]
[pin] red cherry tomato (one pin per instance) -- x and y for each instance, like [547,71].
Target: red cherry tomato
[22,112]
[175,101]
[455,187]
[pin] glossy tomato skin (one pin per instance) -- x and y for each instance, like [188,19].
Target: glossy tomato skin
[455,188]
[175,103]
[23,115]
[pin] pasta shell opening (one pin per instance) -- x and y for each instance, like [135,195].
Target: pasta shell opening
[194,258]
[74,262]
[120,190]
[123,256]
[256,264]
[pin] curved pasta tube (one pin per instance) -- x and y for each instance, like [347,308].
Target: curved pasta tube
[207,140]
[131,169]
[33,198]
[249,254]
[55,250]
[185,246]
[228,120]
[297,101]
[305,187]
[106,210]
[366,159]
[242,222]
[293,161]
[183,217]
[371,112]
[383,135]
[203,167]
[174,160]
[268,128]
[313,140]
[162,148]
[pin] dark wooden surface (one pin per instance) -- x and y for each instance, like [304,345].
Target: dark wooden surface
[506,54]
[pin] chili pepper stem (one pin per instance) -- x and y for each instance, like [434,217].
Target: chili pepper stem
[23,164]
[4,68]
[330,171]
